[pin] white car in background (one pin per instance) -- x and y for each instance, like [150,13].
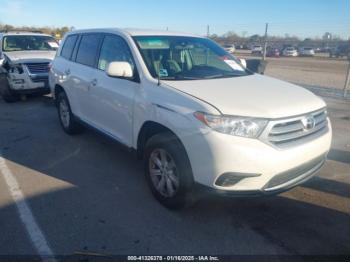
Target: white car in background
[306,51]
[257,49]
[230,48]
[24,62]
[290,51]
[191,111]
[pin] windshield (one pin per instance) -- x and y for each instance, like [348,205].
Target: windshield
[29,43]
[187,58]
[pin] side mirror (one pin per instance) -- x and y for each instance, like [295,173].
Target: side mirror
[256,65]
[120,70]
[243,62]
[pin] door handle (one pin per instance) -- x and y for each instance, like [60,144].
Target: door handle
[67,72]
[93,83]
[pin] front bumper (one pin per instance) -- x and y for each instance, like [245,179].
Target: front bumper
[33,91]
[28,84]
[266,191]
[275,170]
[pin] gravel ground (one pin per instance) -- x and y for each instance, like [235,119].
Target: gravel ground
[309,71]
[317,71]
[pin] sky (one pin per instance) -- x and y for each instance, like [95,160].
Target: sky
[303,18]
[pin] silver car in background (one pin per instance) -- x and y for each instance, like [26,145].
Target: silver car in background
[290,51]
[230,48]
[306,51]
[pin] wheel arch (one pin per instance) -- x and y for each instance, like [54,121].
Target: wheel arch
[149,129]
[58,88]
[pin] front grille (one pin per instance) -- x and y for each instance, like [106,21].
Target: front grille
[296,174]
[290,132]
[38,68]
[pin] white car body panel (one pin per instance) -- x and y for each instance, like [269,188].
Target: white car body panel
[241,96]
[19,57]
[120,108]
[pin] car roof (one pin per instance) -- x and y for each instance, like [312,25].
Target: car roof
[21,33]
[135,32]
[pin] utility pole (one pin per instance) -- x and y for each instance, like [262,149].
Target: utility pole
[265,44]
[208,30]
[347,79]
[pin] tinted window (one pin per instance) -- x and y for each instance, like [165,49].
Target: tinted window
[88,49]
[114,49]
[69,46]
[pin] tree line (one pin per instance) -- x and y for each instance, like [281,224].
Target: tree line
[57,32]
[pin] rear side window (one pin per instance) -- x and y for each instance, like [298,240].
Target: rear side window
[88,48]
[68,46]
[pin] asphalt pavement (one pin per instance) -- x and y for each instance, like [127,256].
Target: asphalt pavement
[86,194]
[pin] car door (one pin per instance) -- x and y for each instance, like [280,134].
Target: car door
[84,74]
[112,99]
[62,70]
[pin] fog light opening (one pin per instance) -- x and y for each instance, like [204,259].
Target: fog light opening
[231,179]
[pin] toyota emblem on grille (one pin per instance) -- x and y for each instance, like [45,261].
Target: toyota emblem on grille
[308,122]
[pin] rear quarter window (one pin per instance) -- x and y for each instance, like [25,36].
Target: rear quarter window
[68,46]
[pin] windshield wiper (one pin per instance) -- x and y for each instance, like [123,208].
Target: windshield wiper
[180,78]
[188,78]
[223,76]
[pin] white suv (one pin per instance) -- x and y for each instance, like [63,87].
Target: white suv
[191,111]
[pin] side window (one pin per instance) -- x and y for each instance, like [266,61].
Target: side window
[68,46]
[114,49]
[88,49]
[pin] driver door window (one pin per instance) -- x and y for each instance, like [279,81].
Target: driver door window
[114,49]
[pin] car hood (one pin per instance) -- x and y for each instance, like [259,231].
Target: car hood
[18,57]
[253,96]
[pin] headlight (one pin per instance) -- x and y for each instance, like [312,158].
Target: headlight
[16,69]
[233,125]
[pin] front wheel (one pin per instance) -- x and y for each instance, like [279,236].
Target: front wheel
[68,122]
[168,171]
[7,94]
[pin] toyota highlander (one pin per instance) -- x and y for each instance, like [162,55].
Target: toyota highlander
[191,110]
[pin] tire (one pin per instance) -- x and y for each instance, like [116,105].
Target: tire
[9,98]
[68,121]
[176,174]
[7,95]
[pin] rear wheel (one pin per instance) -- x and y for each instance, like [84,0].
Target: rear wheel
[168,171]
[68,122]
